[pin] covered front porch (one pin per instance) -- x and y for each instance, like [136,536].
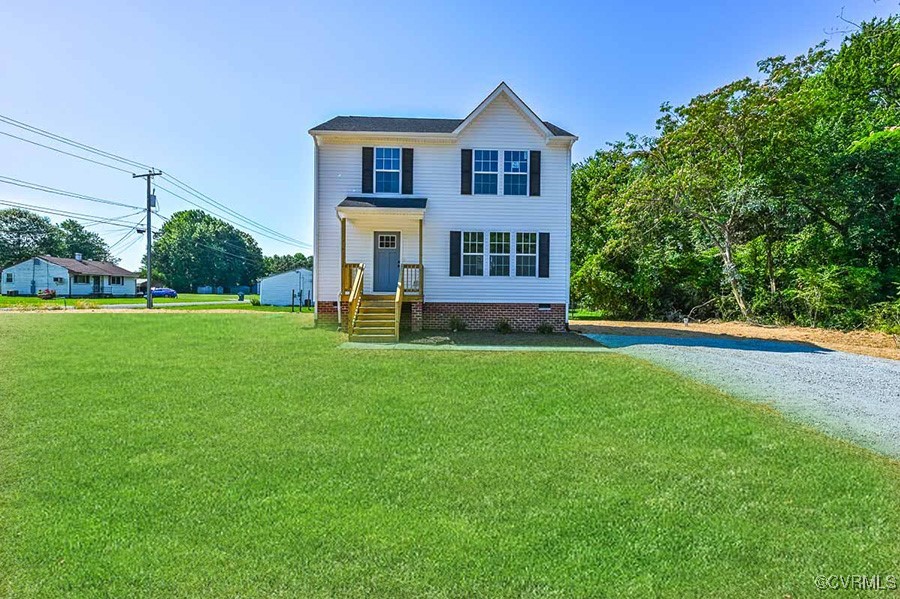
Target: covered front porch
[381,265]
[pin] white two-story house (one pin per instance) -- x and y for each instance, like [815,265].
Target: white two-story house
[443,221]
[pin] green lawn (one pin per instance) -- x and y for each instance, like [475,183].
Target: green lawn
[243,455]
[12,302]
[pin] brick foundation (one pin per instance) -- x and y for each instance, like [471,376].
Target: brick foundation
[522,317]
[415,317]
[327,312]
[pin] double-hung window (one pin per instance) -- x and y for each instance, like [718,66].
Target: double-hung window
[515,173]
[82,280]
[526,254]
[117,280]
[387,170]
[485,172]
[9,277]
[499,262]
[473,254]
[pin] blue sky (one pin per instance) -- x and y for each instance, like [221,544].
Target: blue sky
[221,94]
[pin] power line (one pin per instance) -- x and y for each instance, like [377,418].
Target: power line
[202,196]
[64,152]
[287,241]
[62,192]
[251,224]
[72,142]
[68,214]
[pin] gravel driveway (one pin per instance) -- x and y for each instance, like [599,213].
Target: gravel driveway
[847,395]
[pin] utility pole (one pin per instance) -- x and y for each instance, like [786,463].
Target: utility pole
[151,203]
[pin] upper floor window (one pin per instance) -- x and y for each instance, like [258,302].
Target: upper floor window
[473,254]
[485,172]
[387,170]
[526,254]
[515,173]
[9,277]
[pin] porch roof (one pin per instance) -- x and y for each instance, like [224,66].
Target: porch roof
[380,202]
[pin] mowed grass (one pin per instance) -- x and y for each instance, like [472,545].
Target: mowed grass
[16,301]
[244,455]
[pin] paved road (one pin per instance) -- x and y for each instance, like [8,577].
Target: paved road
[851,396]
[168,304]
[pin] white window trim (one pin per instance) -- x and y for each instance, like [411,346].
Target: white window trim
[508,254]
[110,278]
[527,173]
[535,254]
[463,253]
[376,170]
[9,278]
[496,174]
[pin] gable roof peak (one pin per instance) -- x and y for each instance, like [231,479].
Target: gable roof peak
[507,91]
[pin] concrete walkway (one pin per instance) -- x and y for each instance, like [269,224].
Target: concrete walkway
[451,347]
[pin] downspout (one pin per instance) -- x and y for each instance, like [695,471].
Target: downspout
[568,232]
[315,280]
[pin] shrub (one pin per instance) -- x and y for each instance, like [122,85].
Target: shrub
[254,301]
[503,327]
[545,328]
[86,305]
[884,316]
[457,324]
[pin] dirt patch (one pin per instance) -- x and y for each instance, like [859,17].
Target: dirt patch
[868,343]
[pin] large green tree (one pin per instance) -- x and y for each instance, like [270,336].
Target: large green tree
[76,239]
[24,234]
[790,181]
[276,264]
[194,249]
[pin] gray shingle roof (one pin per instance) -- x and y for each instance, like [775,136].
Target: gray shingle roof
[390,124]
[89,267]
[370,202]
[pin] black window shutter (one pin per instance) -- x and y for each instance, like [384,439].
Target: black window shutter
[534,171]
[465,171]
[455,248]
[543,255]
[407,168]
[368,168]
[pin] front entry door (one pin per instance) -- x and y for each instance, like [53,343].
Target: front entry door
[387,261]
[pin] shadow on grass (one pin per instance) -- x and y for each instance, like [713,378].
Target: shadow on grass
[629,335]
[488,338]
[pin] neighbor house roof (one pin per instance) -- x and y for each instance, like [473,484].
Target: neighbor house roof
[89,267]
[393,124]
[390,124]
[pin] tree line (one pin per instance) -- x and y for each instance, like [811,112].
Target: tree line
[774,199]
[191,249]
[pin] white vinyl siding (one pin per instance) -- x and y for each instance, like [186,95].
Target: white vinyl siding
[437,175]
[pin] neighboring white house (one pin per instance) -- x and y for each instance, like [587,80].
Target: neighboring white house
[471,215]
[287,288]
[68,277]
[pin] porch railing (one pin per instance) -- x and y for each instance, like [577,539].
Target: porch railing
[356,293]
[348,274]
[398,306]
[412,277]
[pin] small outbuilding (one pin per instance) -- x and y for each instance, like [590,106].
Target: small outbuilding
[281,289]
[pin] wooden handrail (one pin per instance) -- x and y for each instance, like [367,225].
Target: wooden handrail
[356,293]
[348,274]
[398,306]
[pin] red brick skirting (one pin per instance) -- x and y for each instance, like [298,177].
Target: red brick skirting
[326,312]
[522,317]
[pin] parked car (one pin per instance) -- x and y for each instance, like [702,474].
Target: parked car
[163,292]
